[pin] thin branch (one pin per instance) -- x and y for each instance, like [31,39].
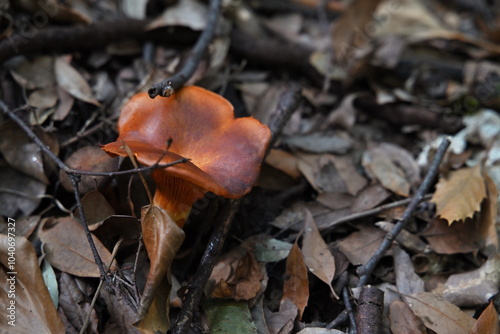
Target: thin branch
[366,270]
[12,115]
[207,263]
[287,104]
[96,295]
[370,212]
[67,39]
[349,309]
[75,180]
[179,79]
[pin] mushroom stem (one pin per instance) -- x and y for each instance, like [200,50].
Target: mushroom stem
[175,195]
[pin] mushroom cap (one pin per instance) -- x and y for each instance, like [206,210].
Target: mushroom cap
[225,153]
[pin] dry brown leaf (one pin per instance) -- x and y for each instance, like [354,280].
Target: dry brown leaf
[369,198]
[43,98]
[392,166]
[35,73]
[66,247]
[96,207]
[66,102]
[317,255]
[284,161]
[439,315]
[461,237]
[296,286]
[89,159]
[335,201]
[403,320]
[359,246]
[73,82]
[330,173]
[333,141]
[487,323]
[75,305]
[344,116]
[21,153]
[162,239]
[34,310]
[238,276]
[459,195]
[281,322]
[347,34]
[20,193]
[187,13]
[407,281]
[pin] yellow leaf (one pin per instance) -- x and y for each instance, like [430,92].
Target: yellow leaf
[459,195]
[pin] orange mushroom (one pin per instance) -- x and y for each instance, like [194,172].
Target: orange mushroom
[225,152]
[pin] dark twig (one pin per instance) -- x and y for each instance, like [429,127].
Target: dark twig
[196,286]
[65,167]
[287,104]
[179,79]
[75,179]
[367,213]
[366,270]
[340,319]
[340,284]
[66,39]
[348,307]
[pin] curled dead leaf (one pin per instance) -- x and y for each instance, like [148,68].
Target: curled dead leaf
[296,286]
[162,239]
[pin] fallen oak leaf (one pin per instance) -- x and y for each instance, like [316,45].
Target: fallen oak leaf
[459,195]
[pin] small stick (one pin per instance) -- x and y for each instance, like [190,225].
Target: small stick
[367,213]
[348,307]
[207,263]
[179,79]
[366,270]
[96,295]
[287,104]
